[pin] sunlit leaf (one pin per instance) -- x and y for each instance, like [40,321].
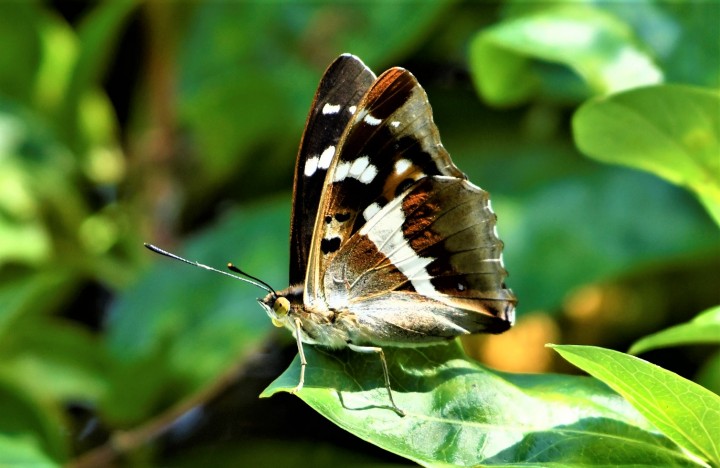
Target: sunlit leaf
[683,410]
[23,451]
[597,46]
[459,413]
[671,131]
[705,328]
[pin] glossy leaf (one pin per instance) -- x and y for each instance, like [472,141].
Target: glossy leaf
[683,410]
[671,131]
[705,328]
[597,46]
[461,414]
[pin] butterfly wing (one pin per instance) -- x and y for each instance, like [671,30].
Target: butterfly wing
[341,88]
[400,227]
[432,250]
[390,142]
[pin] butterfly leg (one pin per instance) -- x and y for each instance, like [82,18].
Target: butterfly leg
[379,351]
[303,362]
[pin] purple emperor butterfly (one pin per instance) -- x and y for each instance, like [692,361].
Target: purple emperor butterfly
[390,244]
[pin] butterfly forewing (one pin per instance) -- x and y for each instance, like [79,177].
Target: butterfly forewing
[390,142]
[342,87]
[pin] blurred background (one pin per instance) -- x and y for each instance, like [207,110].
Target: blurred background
[177,123]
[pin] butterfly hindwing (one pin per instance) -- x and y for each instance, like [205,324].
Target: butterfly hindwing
[342,87]
[434,250]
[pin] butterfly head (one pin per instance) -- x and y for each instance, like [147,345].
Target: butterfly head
[277,308]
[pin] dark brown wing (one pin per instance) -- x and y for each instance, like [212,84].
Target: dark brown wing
[341,88]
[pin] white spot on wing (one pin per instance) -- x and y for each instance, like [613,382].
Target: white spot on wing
[311,166]
[352,109]
[358,166]
[370,120]
[341,171]
[371,211]
[360,169]
[368,175]
[395,123]
[326,157]
[402,165]
[330,108]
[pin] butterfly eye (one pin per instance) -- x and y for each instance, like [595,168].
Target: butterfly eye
[281,307]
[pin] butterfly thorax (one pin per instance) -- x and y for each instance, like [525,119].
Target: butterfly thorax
[324,327]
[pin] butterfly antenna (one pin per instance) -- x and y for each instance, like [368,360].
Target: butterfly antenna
[250,279]
[237,270]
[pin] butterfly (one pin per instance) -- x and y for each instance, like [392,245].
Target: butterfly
[390,244]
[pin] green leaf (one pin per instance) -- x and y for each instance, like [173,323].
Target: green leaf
[30,296]
[23,450]
[506,59]
[31,426]
[683,410]
[671,131]
[461,414]
[41,199]
[97,33]
[705,328]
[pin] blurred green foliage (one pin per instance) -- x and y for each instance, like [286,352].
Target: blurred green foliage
[177,123]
